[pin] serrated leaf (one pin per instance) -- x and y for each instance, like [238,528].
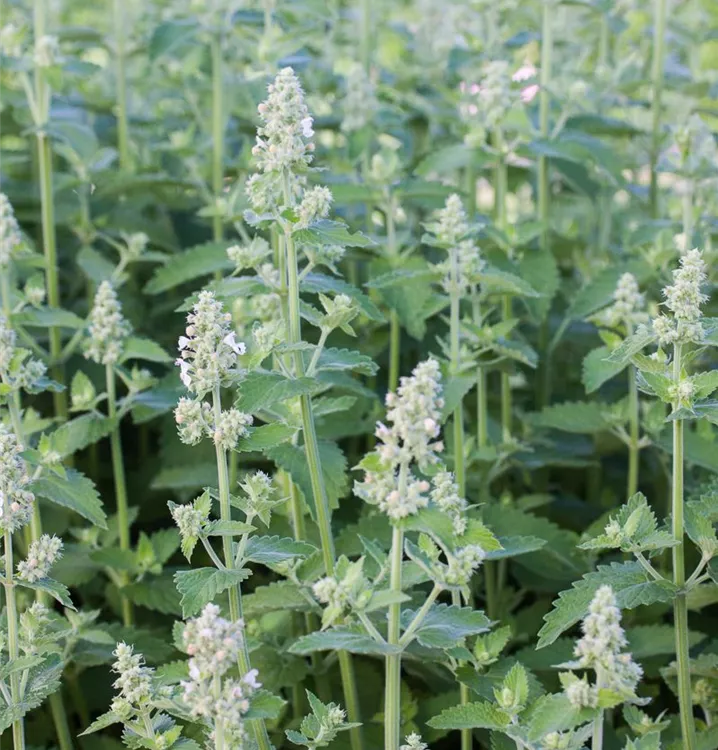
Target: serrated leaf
[471,716]
[264,705]
[102,722]
[580,417]
[49,317]
[317,283]
[156,593]
[340,639]
[446,625]
[554,713]
[346,360]
[144,349]
[80,432]
[266,436]
[198,261]
[325,232]
[504,282]
[275,597]
[634,344]
[598,369]
[57,590]
[270,550]
[513,546]
[201,586]
[630,583]
[74,491]
[262,389]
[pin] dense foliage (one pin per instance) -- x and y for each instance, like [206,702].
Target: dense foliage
[357,375]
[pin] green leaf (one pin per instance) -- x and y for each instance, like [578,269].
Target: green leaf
[74,491]
[598,369]
[340,639]
[264,705]
[647,641]
[471,716]
[228,528]
[276,597]
[262,389]
[145,349]
[80,432]
[513,546]
[345,360]
[553,713]
[629,582]
[325,232]
[201,586]
[43,681]
[57,590]
[445,626]
[318,283]
[270,550]
[292,458]
[697,449]
[156,593]
[503,282]
[577,417]
[169,36]
[266,436]
[186,476]
[102,722]
[623,353]
[49,317]
[198,261]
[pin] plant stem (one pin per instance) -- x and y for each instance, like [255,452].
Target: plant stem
[123,129]
[688,213]
[217,133]
[118,471]
[420,616]
[311,448]
[657,75]
[18,727]
[501,188]
[59,718]
[544,190]
[392,696]
[235,595]
[482,411]
[680,609]
[597,741]
[394,323]
[455,334]
[634,450]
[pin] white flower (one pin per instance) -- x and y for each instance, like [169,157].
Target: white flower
[193,417]
[16,502]
[360,102]
[413,741]
[524,73]
[306,125]
[41,556]
[315,205]
[208,351]
[108,328]
[134,682]
[10,238]
[230,427]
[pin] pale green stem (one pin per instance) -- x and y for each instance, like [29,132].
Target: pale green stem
[544,190]
[392,696]
[394,323]
[366,39]
[18,727]
[123,128]
[482,411]
[657,76]
[118,471]
[680,609]
[311,448]
[235,595]
[603,41]
[419,617]
[597,741]
[59,718]
[218,125]
[501,188]
[634,450]
[688,213]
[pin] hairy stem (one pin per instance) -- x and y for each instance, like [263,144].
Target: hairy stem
[123,128]
[501,189]
[218,124]
[235,595]
[597,741]
[394,323]
[18,727]
[392,695]
[680,609]
[657,76]
[118,471]
[311,448]
[634,449]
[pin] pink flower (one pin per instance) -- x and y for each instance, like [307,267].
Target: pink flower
[524,73]
[529,93]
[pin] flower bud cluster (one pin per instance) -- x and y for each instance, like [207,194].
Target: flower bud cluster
[601,649]
[462,565]
[251,255]
[209,350]
[41,556]
[283,138]
[10,238]
[213,645]
[360,102]
[413,741]
[331,592]
[134,682]
[16,502]
[445,495]
[190,520]
[315,205]
[684,299]
[195,419]
[35,633]
[136,244]
[108,328]
[17,369]
[628,304]
[47,51]
[557,741]
[696,146]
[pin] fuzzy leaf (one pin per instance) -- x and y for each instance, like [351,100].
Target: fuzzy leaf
[262,390]
[76,434]
[577,417]
[74,491]
[145,349]
[598,369]
[346,360]
[471,716]
[275,597]
[201,586]
[198,261]
[317,283]
[629,582]
[266,436]
[340,639]
[57,590]
[270,550]
[445,626]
